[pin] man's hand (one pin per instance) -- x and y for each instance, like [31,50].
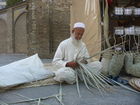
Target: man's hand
[72,64]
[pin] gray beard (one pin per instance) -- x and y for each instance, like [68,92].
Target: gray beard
[75,41]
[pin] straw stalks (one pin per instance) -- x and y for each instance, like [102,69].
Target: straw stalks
[60,95]
[39,101]
[77,84]
[93,79]
[101,52]
[59,100]
[106,24]
[3,103]
[36,99]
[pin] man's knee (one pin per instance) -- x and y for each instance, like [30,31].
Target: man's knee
[65,74]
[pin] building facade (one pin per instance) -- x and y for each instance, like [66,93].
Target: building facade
[34,26]
[2,4]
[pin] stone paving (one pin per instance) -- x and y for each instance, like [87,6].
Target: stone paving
[117,97]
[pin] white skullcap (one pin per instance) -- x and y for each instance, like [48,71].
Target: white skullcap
[79,25]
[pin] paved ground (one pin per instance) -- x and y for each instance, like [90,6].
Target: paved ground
[118,97]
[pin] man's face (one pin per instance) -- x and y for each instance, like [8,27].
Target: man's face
[78,33]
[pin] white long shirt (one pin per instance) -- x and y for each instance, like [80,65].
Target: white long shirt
[68,50]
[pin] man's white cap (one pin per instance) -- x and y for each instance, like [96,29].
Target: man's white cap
[79,25]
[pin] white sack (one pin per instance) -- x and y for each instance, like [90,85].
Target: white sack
[130,67]
[105,63]
[23,71]
[136,58]
[116,64]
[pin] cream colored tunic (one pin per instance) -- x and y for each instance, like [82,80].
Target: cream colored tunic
[69,50]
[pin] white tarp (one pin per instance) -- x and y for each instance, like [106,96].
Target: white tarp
[92,35]
[23,71]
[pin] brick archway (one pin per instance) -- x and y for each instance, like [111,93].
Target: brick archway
[20,37]
[3,36]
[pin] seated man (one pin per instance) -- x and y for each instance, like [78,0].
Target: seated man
[68,52]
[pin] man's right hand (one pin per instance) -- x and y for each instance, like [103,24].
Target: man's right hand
[72,64]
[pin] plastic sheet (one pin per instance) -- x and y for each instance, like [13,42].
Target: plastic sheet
[23,71]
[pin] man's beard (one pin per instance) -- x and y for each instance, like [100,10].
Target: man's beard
[75,41]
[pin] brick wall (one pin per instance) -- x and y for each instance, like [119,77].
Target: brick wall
[49,24]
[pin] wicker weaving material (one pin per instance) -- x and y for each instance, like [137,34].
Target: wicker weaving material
[131,68]
[135,83]
[116,64]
